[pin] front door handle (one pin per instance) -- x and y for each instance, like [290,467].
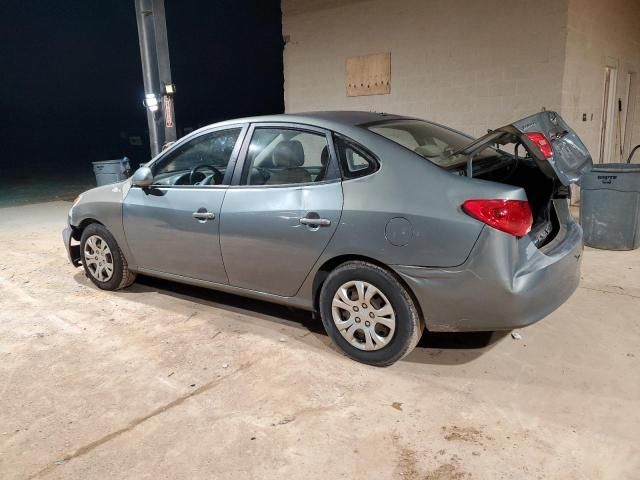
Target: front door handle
[202,215]
[315,222]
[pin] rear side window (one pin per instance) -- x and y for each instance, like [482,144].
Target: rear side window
[285,156]
[355,161]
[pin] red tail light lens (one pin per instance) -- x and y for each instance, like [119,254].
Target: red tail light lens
[510,216]
[541,142]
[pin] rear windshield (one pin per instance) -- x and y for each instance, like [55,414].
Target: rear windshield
[433,142]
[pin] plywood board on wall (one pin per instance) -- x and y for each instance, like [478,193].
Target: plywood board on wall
[369,75]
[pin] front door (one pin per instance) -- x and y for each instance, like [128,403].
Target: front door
[173,226]
[283,211]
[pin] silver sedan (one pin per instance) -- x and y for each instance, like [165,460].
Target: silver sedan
[383,225]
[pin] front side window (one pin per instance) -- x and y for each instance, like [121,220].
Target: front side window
[199,162]
[283,156]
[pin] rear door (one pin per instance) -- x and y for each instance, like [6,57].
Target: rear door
[557,149]
[282,209]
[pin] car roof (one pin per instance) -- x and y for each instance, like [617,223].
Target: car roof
[332,120]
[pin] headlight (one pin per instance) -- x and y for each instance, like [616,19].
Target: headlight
[75,202]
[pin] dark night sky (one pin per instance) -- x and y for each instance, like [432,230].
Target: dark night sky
[71,80]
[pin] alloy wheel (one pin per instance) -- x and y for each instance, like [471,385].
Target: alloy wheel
[363,315]
[98,258]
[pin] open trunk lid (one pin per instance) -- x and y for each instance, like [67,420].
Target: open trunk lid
[567,159]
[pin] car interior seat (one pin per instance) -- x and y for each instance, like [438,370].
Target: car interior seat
[288,158]
[324,160]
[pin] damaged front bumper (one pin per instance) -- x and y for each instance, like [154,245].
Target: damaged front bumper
[505,283]
[73,251]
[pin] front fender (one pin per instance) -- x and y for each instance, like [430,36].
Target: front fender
[104,205]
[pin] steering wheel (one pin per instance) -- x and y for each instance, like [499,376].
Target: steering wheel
[217,174]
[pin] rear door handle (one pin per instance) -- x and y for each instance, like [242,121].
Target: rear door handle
[315,222]
[203,215]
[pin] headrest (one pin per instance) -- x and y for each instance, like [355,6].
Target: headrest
[428,150]
[324,156]
[288,154]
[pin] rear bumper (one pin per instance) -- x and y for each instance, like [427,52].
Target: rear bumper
[73,251]
[505,283]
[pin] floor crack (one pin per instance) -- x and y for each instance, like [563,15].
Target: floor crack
[134,423]
[609,291]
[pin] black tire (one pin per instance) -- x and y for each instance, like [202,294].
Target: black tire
[121,276]
[408,325]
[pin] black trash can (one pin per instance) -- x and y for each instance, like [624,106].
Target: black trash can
[610,206]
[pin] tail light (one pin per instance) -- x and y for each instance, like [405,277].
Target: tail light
[541,142]
[511,216]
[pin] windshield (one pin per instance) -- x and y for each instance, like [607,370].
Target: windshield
[433,142]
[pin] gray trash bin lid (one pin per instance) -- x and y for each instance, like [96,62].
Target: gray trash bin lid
[122,161]
[616,167]
[624,177]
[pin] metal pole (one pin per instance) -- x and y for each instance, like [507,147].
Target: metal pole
[164,68]
[156,70]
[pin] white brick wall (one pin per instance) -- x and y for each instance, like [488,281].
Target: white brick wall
[469,64]
[601,33]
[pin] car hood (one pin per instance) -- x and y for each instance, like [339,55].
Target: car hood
[107,192]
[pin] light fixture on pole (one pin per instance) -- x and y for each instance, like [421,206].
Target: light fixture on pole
[156,73]
[169,89]
[152,102]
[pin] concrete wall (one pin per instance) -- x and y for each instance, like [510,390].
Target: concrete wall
[600,34]
[472,65]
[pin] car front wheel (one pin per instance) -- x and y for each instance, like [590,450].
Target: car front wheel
[369,314]
[103,260]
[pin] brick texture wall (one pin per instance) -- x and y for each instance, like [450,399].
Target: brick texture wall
[600,34]
[472,65]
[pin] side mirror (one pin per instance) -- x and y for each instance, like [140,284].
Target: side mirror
[142,177]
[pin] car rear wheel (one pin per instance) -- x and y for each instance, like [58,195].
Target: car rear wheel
[369,314]
[103,260]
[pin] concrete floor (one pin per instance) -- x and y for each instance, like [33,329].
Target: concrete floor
[167,381]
